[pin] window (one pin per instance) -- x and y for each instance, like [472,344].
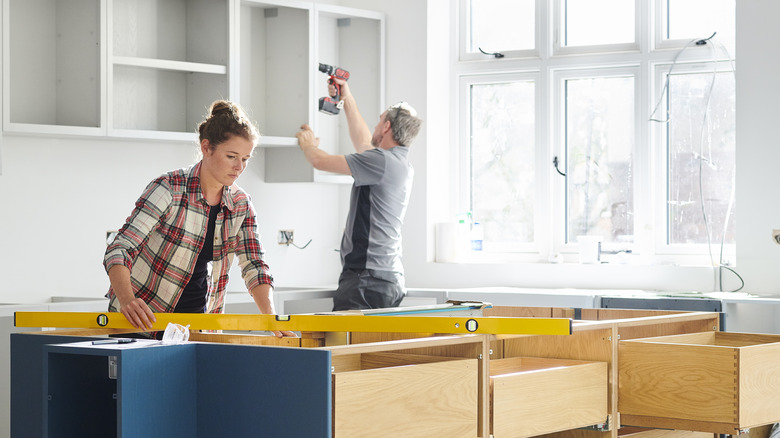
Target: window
[685,20]
[597,22]
[700,143]
[502,157]
[590,126]
[599,131]
[498,26]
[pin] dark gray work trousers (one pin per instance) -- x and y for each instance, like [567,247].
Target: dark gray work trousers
[368,289]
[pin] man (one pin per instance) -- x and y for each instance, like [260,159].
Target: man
[372,273]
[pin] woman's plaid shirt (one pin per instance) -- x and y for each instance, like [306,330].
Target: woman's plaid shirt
[162,237]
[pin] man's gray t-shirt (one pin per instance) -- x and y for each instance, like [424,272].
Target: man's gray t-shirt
[380,194]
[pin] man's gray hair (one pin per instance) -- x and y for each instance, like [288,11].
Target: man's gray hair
[403,122]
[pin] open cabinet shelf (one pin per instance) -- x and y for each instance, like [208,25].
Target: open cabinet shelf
[168,62]
[53,75]
[150,69]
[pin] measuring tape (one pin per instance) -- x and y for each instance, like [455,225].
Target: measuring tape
[308,323]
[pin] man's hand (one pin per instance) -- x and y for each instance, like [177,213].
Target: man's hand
[318,158]
[306,137]
[358,129]
[345,91]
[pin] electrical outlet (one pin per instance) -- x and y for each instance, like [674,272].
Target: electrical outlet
[285,237]
[110,236]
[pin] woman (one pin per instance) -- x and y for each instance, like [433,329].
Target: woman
[174,252]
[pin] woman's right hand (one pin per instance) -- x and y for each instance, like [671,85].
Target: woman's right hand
[137,313]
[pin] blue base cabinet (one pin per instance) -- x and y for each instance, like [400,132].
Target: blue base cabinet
[76,389]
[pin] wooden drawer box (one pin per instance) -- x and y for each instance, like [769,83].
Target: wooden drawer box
[409,395]
[533,396]
[632,432]
[712,381]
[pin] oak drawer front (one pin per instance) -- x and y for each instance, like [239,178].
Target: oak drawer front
[415,400]
[533,396]
[712,381]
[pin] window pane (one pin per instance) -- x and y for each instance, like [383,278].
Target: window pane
[592,22]
[696,19]
[502,161]
[599,145]
[701,157]
[502,25]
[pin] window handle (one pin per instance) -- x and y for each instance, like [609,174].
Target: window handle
[555,163]
[494,54]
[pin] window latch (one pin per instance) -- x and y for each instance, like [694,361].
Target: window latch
[555,163]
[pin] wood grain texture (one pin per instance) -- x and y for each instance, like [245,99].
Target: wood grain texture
[611,314]
[712,381]
[433,399]
[676,381]
[680,424]
[224,338]
[533,396]
[367,337]
[581,433]
[589,343]
[628,432]
[759,384]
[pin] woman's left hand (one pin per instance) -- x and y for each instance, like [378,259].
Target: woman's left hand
[284,334]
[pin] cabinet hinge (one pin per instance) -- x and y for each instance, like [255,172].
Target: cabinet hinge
[112,364]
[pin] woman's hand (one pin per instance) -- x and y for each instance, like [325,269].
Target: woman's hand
[284,334]
[262,296]
[137,313]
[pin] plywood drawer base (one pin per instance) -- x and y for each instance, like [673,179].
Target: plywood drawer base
[711,382]
[533,396]
[406,395]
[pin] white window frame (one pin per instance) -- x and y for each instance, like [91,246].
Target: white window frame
[658,21]
[558,28]
[684,253]
[528,251]
[560,76]
[463,37]
[647,58]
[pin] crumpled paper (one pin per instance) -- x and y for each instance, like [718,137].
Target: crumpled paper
[176,334]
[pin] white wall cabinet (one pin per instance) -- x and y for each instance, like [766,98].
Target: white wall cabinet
[150,68]
[353,40]
[53,75]
[284,91]
[168,60]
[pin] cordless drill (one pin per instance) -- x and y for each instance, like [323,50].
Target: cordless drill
[332,104]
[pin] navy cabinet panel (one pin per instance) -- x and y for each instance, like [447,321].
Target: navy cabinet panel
[66,387]
[270,391]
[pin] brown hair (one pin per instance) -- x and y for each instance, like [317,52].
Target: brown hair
[224,120]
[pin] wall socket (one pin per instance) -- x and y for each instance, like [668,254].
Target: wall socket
[110,236]
[285,237]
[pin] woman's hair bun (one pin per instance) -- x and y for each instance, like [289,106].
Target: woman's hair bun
[225,119]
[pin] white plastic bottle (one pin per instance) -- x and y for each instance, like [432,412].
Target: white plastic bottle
[477,235]
[463,245]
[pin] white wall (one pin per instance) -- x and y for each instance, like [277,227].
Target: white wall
[758,152]
[59,196]
[414,27]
